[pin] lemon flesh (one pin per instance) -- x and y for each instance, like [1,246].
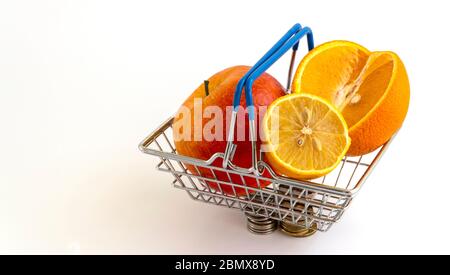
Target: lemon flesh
[306,137]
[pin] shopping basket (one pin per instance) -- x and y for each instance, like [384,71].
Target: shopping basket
[298,207]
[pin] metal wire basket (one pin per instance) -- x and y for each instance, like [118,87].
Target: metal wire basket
[301,207]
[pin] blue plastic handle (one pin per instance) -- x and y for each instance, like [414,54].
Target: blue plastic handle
[289,40]
[270,61]
[237,95]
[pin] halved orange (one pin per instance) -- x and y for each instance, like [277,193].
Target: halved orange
[371,89]
[306,137]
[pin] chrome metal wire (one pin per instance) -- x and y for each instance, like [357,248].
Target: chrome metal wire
[316,204]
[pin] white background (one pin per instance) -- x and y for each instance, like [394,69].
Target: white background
[82,82]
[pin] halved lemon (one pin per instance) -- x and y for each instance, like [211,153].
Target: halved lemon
[305,136]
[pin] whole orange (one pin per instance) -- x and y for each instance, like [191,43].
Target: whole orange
[191,140]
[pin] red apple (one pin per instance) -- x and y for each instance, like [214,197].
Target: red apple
[197,134]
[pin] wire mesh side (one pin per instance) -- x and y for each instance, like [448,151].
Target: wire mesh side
[299,203]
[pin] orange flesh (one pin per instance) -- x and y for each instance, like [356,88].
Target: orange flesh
[356,79]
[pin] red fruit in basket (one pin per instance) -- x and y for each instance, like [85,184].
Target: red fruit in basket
[201,126]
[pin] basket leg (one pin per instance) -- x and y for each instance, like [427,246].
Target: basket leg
[260,225]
